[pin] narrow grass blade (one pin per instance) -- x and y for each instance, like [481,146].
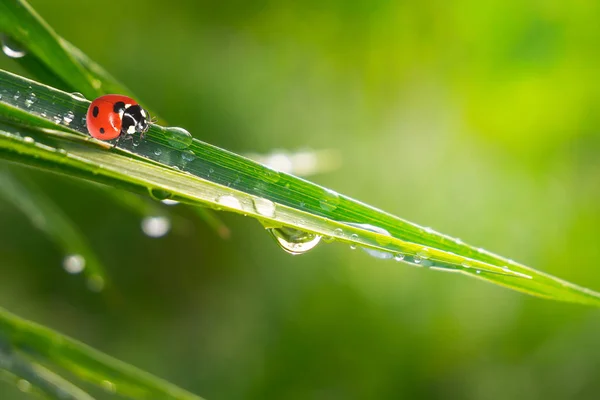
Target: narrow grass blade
[49,218]
[88,364]
[169,164]
[22,24]
[31,377]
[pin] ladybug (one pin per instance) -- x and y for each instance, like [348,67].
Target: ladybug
[113,115]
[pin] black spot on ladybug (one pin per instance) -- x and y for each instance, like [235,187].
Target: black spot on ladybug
[118,107]
[95,111]
[101,130]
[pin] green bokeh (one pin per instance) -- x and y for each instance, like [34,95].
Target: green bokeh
[479,119]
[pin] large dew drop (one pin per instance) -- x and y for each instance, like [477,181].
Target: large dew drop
[179,138]
[294,241]
[11,48]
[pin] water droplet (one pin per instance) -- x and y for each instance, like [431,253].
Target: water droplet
[179,138]
[373,252]
[78,96]
[399,257]
[330,200]
[17,95]
[264,207]
[417,260]
[57,118]
[30,100]
[95,283]
[11,48]
[229,202]
[159,194]
[109,386]
[424,253]
[169,202]
[157,151]
[294,241]
[338,232]
[478,271]
[429,230]
[28,139]
[74,263]
[188,156]
[353,237]
[270,175]
[43,114]
[156,227]
[68,117]
[465,264]
[23,385]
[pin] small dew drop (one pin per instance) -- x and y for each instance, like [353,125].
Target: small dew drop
[294,241]
[74,263]
[417,259]
[68,117]
[57,118]
[43,114]
[188,156]
[23,385]
[30,100]
[11,48]
[78,96]
[399,257]
[169,202]
[156,227]
[179,138]
[330,200]
[353,237]
[230,202]
[429,230]
[338,232]
[28,139]
[157,151]
[478,271]
[17,95]
[95,283]
[264,207]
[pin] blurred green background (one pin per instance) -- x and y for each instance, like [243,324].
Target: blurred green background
[480,119]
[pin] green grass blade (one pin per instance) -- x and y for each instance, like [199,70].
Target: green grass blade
[169,164]
[30,377]
[85,362]
[21,23]
[49,218]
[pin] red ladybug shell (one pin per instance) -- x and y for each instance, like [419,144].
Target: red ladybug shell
[102,120]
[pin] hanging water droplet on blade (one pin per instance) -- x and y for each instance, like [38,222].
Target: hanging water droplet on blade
[294,241]
[74,263]
[159,194]
[11,48]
